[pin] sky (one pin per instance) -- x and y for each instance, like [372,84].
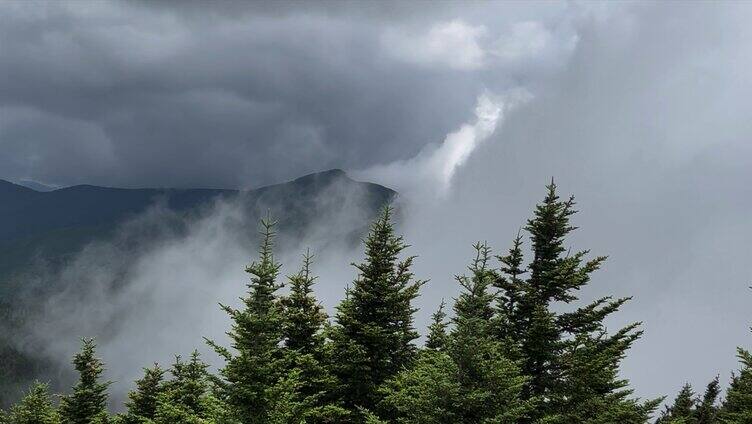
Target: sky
[467,109]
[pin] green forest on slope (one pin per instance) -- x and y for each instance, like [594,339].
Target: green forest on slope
[502,354]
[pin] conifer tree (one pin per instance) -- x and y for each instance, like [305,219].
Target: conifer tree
[571,361]
[182,397]
[688,409]
[255,368]
[304,317]
[491,383]
[682,411]
[474,306]
[189,384]
[429,392]
[737,407]
[471,381]
[374,332]
[36,407]
[508,354]
[188,397]
[437,331]
[707,411]
[510,285]
[142,402]
[304,320]
[88,402]
[552,278]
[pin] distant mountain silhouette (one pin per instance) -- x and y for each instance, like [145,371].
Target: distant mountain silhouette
[54,225]
[36,186]
[25,212]
[48,229]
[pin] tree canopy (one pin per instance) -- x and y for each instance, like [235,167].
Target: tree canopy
[516,346]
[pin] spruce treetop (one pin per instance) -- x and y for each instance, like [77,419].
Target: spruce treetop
[263,283]
[437,331]
[142,402]
[88,401]
[707,410]
[35,407]
[304,315]
[374,328]
[476,301]
[189,383]
[256,362]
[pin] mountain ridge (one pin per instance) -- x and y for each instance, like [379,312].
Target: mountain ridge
[21,207]
[54,225]
[329,173]
[41,233]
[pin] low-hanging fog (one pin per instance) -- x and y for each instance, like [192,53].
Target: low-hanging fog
[640,110]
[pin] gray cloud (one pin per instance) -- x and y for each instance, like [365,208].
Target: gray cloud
[647,126]
[639,109]
[217,97]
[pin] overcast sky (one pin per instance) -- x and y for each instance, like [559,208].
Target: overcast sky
[641,110]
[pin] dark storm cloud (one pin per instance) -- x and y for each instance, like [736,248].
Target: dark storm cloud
[226,96]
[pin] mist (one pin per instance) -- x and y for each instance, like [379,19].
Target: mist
[153,290]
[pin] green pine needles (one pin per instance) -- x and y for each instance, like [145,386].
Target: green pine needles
[510,349]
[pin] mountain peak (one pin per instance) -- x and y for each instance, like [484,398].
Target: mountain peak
[324,176]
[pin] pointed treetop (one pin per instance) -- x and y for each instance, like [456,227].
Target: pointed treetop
[437,333]
[142,402]
[35,407]
[304,317]
[88,402]
[266,248]
[475,301]
[707,409]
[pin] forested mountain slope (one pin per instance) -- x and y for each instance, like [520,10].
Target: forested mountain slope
[43,232]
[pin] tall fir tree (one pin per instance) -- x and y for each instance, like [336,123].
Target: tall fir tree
[571,361]
[35,407]
[550,280]
[307,355]
[372,340]
[510,284]
[737,407]
[142,402]
[304,317]
[491,383]
[88,402]
[255,365]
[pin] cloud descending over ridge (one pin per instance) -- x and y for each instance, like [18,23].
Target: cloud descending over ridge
[430,172]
